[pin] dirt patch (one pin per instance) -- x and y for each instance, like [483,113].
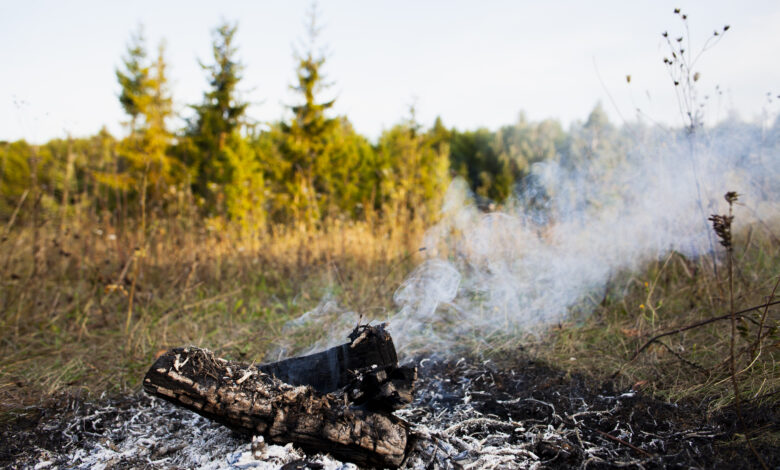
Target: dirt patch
[468,414]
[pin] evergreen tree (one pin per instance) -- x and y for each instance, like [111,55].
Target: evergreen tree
[305,137]
[133,79]
[145,164]
[217,118]
[413,166]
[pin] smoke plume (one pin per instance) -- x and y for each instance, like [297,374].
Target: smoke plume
[574,225]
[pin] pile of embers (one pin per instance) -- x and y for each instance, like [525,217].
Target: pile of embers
[465,414]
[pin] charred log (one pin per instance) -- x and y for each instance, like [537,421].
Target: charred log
[330,370]
[350,421]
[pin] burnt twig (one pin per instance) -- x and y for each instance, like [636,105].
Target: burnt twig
[625,443]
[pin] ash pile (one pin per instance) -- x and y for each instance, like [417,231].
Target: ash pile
[466,414]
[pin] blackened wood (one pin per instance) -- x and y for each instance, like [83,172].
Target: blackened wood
[246,399]
[383,389]
[334,368]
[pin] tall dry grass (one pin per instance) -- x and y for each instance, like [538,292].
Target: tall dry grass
[87,304]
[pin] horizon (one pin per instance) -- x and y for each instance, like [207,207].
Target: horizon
[475,67]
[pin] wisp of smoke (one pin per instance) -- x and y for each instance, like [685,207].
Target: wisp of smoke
[517,270]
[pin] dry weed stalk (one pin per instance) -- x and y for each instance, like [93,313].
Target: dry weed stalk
[721,224]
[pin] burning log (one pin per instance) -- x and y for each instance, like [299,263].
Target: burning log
[336,401]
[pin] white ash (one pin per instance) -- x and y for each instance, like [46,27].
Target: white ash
[451,418]
[151,433]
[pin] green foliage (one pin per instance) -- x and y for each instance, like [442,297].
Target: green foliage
[225,172]
[305,139]
[476,157]
[145,168]
[244,196]
[133,79]
[495,163]
[413,168]
[15,171]
[346,176]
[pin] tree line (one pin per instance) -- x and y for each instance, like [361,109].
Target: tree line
[300,170]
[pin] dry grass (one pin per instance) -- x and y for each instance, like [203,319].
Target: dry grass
[86,306]
[65,290]
[671,293]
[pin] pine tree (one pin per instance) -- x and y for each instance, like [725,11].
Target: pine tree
[305,137]
[145,164]
[219,115]
[227,173]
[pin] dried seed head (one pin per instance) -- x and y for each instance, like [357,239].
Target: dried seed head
[721,224]
[731,197]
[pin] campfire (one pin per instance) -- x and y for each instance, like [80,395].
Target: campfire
[464,414]
[355,403]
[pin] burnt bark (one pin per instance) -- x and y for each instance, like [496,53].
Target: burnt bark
[351,422]
[334,368]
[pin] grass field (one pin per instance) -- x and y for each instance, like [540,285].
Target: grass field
[85,307]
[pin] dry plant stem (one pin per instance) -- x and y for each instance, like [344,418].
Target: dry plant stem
[35,212]
[139,253]
[131,295]
[732,359]
[757,343]
[692,326]
[11,221]
[733,339]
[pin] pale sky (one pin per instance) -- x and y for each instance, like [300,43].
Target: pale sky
[475,64]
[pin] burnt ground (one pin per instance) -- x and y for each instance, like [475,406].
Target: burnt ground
[468,413]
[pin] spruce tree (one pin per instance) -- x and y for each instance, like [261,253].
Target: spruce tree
[217,118]
[133,79]
[145,97]
[305,137]
[227,173]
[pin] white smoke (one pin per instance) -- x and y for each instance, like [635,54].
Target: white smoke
[508,273]
[520,269]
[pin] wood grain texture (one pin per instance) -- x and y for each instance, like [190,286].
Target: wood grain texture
[249,400]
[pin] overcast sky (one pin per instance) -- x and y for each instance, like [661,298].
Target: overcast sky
[472,63]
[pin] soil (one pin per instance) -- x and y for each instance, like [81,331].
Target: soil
[467,413]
